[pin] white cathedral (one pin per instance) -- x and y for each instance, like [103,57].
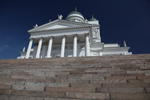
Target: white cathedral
[73,36]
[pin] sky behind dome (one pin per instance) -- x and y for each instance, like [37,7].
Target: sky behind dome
[120,20]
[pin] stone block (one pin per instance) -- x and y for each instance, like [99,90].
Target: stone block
[19,85]
[141,76]
[49,98]
[120,90]
[147,80]
[58,84]
[5,92]
[61,99]
[87,85]
[4,76]
[145,67]
[147,72]
[55,94]
[7,81]
[98,96]
[112,81]
[80,81]
[92,77]
[33,98]
[135,72]
[12,97]
[23,77]
[125,85]
[120,77]
[27,93]
[147,90]
[70,89]
[34,86]
[4,97]
[127,96]
[135,81]
[4,86]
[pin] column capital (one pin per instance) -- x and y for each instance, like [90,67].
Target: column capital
[41,38]
[51,37]
[75,35]
[63,36]
[87,34]
[30,38]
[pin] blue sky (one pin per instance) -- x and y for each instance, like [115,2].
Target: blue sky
[120,20]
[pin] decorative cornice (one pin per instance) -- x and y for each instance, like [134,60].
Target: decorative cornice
[47,35]
[81,25]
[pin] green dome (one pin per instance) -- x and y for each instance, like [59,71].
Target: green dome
[75,12]
[75,16]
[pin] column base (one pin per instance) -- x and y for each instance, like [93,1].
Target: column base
[48,57]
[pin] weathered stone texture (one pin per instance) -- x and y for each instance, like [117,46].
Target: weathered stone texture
[84,78]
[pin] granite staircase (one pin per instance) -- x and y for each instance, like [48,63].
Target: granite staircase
[84,78]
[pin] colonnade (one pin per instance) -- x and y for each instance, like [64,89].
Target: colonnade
[63,43]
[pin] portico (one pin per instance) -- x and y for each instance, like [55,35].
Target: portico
[73,39]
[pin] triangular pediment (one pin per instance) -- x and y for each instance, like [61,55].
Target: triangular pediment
[58,24]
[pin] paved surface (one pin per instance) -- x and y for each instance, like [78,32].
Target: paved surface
[87,78]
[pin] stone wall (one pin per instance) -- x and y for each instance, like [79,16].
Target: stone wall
[87,78]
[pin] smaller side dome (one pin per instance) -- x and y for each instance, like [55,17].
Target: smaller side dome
[93,19]
[75,16]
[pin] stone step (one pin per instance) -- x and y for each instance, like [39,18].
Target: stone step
[83,78]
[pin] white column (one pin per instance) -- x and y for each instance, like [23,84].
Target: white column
[39,48]
[101,54]
[63,47]
[29,49]
[75,46]
[87,46]
[49,47]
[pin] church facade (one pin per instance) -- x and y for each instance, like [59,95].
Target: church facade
[73,36]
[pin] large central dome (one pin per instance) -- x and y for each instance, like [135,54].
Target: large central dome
[75,16]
